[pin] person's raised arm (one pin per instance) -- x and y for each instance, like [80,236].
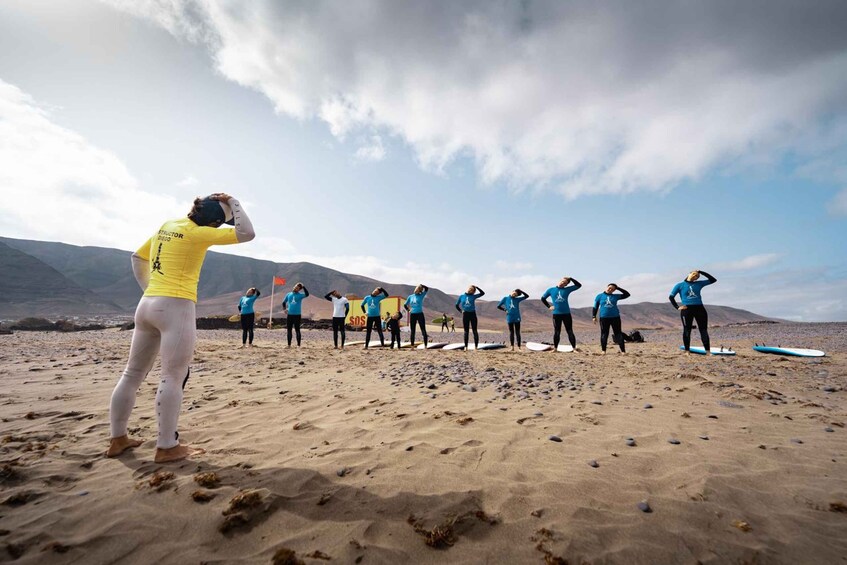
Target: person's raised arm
[384,292]
[480,292]
[525,295]
[425,288]
[576,283]
[328,296]
[243,226]
[708,276]
[306,292]
[624,294]
[258,293]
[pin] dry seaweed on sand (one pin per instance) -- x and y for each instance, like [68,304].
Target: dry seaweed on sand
[243,501]
[285,556]
[837,507]
[161,480]
[540,537]
[207,480]
[202,496]
[443,536]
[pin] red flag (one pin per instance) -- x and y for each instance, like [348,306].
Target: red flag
[279,280]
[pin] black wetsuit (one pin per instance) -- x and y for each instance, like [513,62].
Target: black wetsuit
[338,326]
[694,313]
[394,327]
[469,321]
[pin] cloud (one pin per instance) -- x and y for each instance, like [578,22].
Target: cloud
[573,97]
[512,265]
[57,186]
[838,205]
[749,263]
[189,180]
[371,150]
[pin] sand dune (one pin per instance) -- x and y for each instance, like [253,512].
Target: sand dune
[365,457]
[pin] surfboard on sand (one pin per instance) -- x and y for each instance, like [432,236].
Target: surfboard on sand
[453,346]
[440,319]
[715,350]
[237,317]
[486,346]
[434,345]
[794,351]
[535,346]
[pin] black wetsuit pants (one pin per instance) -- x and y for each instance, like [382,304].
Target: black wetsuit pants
[558,320]
[469,322]
[338,327]
[691,314]
[515,331]
[374,322]
[293,321]
[414,320]
[395,336]
[247,321]
[617,337]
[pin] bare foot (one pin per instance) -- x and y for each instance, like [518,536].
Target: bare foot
[176,453]
[118,445]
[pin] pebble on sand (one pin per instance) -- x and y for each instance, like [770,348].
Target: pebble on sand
[828,430]
[648,406]
[644,506]
[630,441]
[593,463]
[704,437]
[555,438]
[796,440]
[674,441]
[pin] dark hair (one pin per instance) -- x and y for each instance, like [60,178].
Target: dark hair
[206,212]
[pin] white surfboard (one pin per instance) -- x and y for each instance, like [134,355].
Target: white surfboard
[535,346]
[435,345]
[453,346]
[357,342]
[795,351]
[486,346]
[564,349]
[714,350]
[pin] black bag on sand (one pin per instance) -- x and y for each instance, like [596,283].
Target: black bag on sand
[634,336]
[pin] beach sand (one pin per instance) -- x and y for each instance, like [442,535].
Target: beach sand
[431,457]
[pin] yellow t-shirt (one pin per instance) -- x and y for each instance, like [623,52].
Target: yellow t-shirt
[176,253]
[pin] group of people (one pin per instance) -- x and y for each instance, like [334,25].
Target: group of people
[167,268]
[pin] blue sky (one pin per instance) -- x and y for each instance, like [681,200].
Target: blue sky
[452,146]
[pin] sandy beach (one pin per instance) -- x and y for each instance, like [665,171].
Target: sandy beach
[430,456]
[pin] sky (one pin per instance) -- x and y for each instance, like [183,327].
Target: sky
[504,144]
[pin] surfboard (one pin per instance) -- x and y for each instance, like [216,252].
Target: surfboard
[440,319]
[535,346]
[715,350]
[795,351]
[486,346]
[237,317]
[453,346]
[564,349]
[436,345]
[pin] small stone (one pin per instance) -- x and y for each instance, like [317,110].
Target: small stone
[341,472]
[431,386]
[410,448]
[829,389]
[593,463]
[673,441]
[648,406]
[630,442]
[704,437]
[597,402]
[537,414]
[555,438]
[796,440]
[712,416]
[828,430]
[644,507]
[469,388]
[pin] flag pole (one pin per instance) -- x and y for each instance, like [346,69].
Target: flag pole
[271,312]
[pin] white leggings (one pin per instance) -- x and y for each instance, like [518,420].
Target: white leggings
[166,323]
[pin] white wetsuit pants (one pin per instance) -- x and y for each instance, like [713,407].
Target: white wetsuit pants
[161,323]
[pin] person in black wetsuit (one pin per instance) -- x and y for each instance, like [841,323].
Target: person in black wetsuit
[371,308]
[607,305]
[414,305]
[692,308]
[248,315]
[293,308]
[561,309]
[394,328]
[340,309]
[466,304]
[444,322]
[511,305]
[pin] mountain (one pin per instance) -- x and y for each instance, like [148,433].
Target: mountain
[57,279]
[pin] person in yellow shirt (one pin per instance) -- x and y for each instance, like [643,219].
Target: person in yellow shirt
[167,267]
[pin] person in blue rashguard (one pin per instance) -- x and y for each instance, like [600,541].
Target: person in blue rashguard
[414,306]
[466,304]
[511,305]
[606,303]
[370,306]
[248,315]
[292,305]
[558,295]
[692,308]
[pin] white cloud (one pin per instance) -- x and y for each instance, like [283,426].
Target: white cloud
[58,186]
[749,263]
[189,180]
[571,97]
[371,150]
[512,265]
[838,205]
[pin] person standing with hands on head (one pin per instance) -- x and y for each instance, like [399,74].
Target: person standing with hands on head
[466,304]
[167,268]
[371,308]
[607,305]
[511,305]
[444,322]
[692,308]
[394,328]
[561,309]
[340,309]
[293,307]
[414,306]
[248,315]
